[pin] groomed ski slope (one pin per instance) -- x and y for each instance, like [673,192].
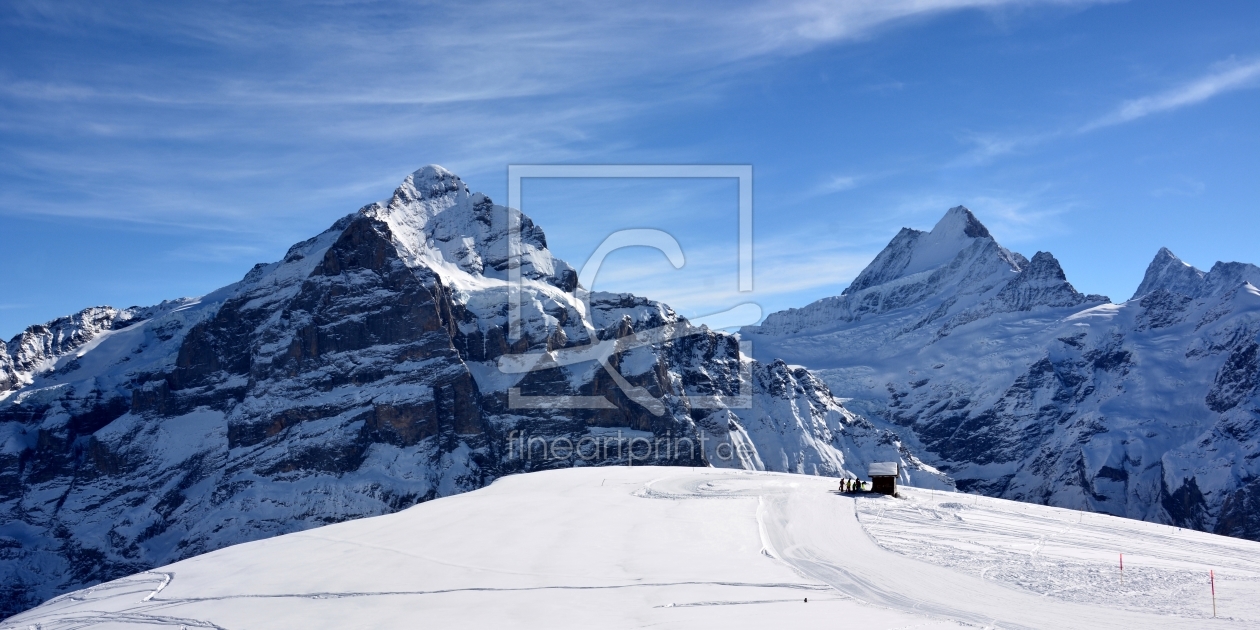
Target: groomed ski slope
[686,548]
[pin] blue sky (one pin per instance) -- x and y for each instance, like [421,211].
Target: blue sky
[152,151]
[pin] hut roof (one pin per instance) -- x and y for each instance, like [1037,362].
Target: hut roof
[883,469]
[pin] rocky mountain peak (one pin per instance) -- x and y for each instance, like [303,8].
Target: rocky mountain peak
[422,195]
[1227,276]
[1041,282]
[959,220]
[914,251]
[1043,270]
[1172,274]
[438,224]
[432,182]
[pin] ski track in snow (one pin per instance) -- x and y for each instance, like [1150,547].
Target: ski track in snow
[929,558]
[1066,554]
[798,542]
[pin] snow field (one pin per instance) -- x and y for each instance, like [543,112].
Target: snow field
[661,547]
[1071,555]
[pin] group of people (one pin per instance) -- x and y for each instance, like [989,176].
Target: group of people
[852,485]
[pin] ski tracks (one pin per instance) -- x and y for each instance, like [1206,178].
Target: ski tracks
[818,534]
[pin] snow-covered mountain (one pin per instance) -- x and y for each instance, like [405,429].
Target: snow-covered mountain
[357,376]
[681,548]
[1004,376]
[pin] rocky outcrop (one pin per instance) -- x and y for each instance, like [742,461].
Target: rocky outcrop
[918,279]
[40,347]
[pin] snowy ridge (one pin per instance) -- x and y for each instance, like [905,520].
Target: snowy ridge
[360,375]
[926,277]
[1171,274]
[437,223]
[1026,389]
[39,348]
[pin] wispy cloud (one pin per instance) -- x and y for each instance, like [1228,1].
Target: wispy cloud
[470,84]
[1013,216]
[217,252]
[1227,77]
[259,123]
[837,183]
[793,25]
[841,182]
[1021,218]
[1180,186]
[390,54]
[988,147]
[884,87]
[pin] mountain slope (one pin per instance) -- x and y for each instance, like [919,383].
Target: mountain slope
[674,547]
[361,374]
[1020,387]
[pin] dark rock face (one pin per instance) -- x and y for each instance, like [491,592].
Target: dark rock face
[1021,387]
[1237,379]
[1169,273]
[890,262]
[1239,510]
[1041,283]
[358,376]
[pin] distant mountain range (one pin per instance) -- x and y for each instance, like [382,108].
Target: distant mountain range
[999,373]
[360,375]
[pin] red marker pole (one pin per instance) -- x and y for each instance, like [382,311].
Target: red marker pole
[1212,579]
[1122,568]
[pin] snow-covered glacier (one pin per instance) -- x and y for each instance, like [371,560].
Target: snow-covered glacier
[359,375]
[1001,374]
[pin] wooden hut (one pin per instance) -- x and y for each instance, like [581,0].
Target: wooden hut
[884,477]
